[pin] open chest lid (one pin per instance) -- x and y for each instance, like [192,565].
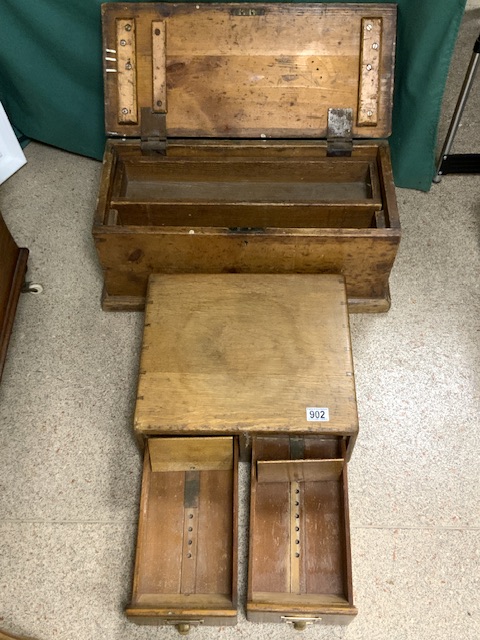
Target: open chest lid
[248,70]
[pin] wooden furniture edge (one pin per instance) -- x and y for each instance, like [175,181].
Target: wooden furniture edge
[8,636]
[15,289]
[355,305]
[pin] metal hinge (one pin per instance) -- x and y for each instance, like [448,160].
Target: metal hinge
[339,132]
[154,132]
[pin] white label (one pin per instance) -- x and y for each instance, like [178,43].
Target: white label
[317,414]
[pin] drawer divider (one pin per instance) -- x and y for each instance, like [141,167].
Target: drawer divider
[310,470]
[190,532]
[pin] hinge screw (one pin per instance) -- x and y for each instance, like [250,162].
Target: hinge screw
[369,67]
[123,42]
[128,66]
[125,110]
[369,27]
[369,114]
[375,45]
[128,27]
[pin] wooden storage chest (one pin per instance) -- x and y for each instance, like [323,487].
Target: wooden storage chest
[257,365]
[250,139]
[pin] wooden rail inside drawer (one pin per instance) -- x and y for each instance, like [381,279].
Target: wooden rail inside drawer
[185,567]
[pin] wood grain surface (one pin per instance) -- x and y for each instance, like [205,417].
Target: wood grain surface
[299,546]
[185,554]
[9,636]
[230,73]
[298,470]
[188,454]
[243,352]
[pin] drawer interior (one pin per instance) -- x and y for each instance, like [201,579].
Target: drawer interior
[246,191]
[299,529]
[185,566]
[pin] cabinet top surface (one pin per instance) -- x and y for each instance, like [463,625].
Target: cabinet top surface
[235,353]
[247,71]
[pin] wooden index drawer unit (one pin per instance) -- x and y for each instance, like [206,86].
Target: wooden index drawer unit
[247,139]
[261,364]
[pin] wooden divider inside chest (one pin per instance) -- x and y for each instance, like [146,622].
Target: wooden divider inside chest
[185,569]
[249,191]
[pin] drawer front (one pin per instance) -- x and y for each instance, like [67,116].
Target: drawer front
[186,557]
[300,561]
[184,623]
[300,622]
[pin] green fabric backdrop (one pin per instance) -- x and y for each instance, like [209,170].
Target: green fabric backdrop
[51,77]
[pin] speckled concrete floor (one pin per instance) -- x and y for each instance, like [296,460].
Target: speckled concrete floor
[69,471]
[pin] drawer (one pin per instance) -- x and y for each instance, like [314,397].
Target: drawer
[299,558]
[186,559]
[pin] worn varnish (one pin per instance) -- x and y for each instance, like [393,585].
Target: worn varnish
[245,353]
[299,549]
[244,183]
[255,358]
[231,75]
[13,264]
[186,557]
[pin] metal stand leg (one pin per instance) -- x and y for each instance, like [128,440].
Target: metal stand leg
[466,162]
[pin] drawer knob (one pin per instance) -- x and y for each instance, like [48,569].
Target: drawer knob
[183,628]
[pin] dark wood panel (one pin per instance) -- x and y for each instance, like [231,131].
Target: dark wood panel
[13,264]
[238,216]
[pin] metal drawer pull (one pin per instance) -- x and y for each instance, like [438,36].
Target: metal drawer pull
[183,626]
[300,624]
